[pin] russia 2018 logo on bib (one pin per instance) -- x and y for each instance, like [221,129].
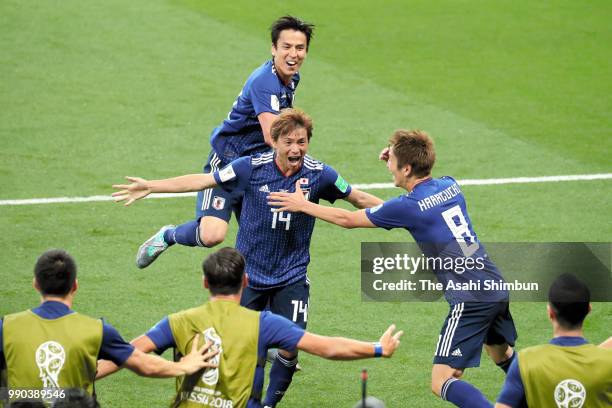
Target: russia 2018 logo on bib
[570,394]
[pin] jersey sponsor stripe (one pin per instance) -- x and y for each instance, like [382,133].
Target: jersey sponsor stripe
[371,186]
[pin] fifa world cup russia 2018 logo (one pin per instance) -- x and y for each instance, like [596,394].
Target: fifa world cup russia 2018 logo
[50,358]
[570,394]
[211,375]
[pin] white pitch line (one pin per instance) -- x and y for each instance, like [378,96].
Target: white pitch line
[372,186]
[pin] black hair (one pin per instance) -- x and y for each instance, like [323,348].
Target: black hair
[55,272]
[224,270]
[291,23]
[569,298]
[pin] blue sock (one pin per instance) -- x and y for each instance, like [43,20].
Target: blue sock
[463,394]
[281,374]
[187,234]
[505,365]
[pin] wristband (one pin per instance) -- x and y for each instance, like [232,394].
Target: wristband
[378,350]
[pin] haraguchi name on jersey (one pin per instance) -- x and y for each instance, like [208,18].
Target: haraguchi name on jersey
[439,198]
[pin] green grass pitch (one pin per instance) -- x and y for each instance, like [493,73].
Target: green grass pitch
[93,91]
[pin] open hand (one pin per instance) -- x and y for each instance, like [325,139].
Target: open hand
[292,202]
[198,358]
[131,192]
[390,341]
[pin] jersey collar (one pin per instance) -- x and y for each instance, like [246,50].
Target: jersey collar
[568,341]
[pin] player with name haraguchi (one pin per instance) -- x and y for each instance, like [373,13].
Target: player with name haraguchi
[435,213]
[567,372]
[242,336]
[275,244]
[245,131]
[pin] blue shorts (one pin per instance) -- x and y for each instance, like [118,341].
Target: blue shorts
[216,202]
[470,325]
[289,301]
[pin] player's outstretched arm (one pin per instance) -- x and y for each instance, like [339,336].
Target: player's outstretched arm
[361,199]
[607,343]
[296,202]
[341,348]
[140,188]
[154,366]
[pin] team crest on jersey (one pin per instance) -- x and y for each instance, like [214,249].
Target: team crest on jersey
[274,102]
[218,203]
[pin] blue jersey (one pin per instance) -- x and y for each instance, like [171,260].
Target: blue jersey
[274,332]
[113,347]
[276,244]
[435,213]
[240,134]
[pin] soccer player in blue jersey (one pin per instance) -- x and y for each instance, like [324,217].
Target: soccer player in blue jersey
[275,244]
[243,336]
[245,131]
[52,346]
[435,213]
[567,372]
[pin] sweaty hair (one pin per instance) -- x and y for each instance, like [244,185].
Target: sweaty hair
[569,298]
[291,23]
[55,272]
[288,121]
[413,147]
[223,271]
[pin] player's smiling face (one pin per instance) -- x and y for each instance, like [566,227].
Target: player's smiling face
[289,53]
[290,151]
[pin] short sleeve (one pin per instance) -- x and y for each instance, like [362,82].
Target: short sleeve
[513,392]
[264,97]
[277,331]
[333,186]
[114,348]
[235,176]
[394,213]
[161,335]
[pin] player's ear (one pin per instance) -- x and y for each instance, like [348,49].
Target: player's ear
[590,308]
[75,286]
[35,284]
[273,49]
[205,282]
[551,313]
[245,280]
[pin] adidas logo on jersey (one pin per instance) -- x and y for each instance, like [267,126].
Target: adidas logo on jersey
[264,188]
[457,353]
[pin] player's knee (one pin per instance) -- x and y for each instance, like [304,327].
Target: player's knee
[210,238]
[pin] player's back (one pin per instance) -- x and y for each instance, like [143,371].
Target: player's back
[435,214]
[553,373]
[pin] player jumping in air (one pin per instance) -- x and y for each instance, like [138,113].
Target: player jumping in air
[245,131]
[435,213]
[275,244]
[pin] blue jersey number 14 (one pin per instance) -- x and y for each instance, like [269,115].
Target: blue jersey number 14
[278,217]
